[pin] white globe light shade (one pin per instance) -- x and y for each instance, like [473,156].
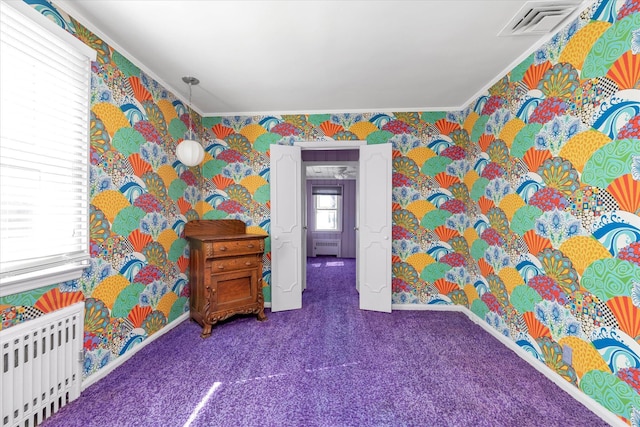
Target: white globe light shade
[190,152]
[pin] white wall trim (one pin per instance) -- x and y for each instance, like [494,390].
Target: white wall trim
[106,370]
[573,391]
[428,307]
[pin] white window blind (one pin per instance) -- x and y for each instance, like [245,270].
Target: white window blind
[44,140]
[332,190]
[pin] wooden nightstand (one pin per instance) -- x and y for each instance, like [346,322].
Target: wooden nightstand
[225,267]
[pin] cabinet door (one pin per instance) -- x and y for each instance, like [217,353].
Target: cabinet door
[233,289]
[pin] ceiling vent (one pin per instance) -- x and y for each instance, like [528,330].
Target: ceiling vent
[539,17]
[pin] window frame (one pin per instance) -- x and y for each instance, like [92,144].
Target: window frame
[338,208]
[23,275]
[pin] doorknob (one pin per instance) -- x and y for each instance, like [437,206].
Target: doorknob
[355,228]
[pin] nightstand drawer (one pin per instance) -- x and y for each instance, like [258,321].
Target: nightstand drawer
[237,247]
[232,264]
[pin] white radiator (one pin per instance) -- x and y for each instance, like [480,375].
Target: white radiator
[326,247]
[41,366]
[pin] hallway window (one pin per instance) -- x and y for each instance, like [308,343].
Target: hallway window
[327,201]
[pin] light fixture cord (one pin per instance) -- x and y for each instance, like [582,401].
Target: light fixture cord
[189,112]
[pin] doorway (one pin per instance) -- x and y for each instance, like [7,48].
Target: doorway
[330,177]
[330,206]
[288,249]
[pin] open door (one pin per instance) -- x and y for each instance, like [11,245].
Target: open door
[286,228]
[374,227]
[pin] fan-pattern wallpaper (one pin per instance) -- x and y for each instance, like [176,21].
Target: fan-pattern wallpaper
[523,207]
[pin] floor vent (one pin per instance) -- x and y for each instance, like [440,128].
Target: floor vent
[539,17]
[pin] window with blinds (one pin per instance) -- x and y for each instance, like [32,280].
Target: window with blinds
[44,139]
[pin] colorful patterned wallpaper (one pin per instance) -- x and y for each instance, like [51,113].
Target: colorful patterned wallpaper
[524,207]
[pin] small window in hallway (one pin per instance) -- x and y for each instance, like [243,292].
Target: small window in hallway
[327,208]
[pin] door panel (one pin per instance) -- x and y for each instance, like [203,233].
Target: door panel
[305,222]
[374,227]
[286,228]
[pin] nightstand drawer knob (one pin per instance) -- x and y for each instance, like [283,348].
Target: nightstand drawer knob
[222,248]
[221,267]
[250,246]
[247,263]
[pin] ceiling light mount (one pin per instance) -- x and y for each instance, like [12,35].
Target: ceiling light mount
[190,151]
[191,81]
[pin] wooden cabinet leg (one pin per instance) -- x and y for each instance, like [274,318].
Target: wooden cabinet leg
[261,316]
[206,330]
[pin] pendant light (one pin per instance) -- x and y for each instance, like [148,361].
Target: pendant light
[190,151]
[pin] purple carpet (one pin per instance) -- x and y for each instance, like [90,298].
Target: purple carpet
[329,364]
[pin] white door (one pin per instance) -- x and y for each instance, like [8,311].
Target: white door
[356,228]
[374,227]
[286,228]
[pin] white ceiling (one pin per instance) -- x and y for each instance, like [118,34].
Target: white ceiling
[277,57]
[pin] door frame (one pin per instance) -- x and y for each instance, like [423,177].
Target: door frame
[333,145]
[306,209]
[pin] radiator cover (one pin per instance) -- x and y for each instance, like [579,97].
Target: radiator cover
[326,247]
[41,366]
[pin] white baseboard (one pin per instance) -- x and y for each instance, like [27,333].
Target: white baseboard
[106,370]
[573,391]
[427,307]
[267,305]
